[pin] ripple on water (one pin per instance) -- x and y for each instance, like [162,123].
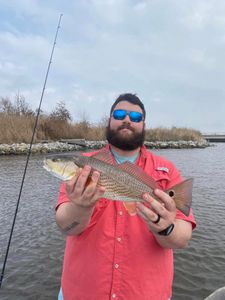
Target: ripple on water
[35,260]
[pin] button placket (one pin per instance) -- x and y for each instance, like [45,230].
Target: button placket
[118,250]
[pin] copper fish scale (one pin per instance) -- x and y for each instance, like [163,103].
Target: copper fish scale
[116,181]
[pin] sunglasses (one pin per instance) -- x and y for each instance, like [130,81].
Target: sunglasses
[135,116]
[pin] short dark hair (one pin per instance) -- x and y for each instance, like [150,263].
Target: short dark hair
[132,98]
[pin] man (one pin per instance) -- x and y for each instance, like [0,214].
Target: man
[116,250]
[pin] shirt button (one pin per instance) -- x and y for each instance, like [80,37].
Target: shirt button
[120,213]
[113,296]
[116,266]
[119,239]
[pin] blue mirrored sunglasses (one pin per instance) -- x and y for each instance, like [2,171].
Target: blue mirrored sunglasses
[135,116]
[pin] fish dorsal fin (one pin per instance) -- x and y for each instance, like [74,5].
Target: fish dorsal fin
[138,173]
[104,155]
[128,167]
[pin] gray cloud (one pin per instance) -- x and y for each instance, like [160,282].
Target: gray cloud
[170,53]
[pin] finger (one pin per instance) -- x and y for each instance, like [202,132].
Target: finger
[70,184]
[81,181]
[98,194]
[92,186]
[156,206]
[166,199]
[146,212]
[101,189]
[143,216]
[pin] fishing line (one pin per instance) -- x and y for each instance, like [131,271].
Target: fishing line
[29,152]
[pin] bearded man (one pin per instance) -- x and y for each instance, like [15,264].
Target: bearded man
[116,250]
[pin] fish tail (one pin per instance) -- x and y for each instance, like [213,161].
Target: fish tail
[182,195]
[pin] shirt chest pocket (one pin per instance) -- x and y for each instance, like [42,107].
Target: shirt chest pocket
[161,177]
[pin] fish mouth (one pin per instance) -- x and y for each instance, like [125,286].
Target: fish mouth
[46,168]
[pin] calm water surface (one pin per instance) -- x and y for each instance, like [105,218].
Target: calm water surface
[35,259]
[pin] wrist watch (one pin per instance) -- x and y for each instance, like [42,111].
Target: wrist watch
[167,231]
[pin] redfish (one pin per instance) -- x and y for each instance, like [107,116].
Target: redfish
[123,182]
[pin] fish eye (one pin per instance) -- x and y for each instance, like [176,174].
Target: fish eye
[171,193]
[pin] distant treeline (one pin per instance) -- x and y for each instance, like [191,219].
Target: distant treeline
[17,121]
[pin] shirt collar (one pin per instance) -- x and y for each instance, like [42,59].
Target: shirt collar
[143,153]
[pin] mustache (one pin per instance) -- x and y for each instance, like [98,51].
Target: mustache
[125,126]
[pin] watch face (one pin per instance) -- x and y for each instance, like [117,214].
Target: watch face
[167,231]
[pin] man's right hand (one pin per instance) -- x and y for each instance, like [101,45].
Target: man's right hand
[82,192]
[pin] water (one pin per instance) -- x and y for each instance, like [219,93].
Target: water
[35,259]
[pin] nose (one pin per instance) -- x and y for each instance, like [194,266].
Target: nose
[126,119]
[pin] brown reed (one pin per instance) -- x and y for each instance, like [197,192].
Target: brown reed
[18,129]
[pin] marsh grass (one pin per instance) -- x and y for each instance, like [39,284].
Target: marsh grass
[18,129]
[173,134]
[15,129]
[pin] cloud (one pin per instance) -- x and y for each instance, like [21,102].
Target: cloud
[140,7]
[170,53]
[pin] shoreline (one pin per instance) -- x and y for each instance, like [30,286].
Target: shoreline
[79,145]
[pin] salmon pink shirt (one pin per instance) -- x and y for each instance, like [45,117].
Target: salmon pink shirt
[117,256]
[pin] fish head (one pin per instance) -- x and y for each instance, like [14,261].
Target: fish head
[63,167]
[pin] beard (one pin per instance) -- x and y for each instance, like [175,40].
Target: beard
[125,142]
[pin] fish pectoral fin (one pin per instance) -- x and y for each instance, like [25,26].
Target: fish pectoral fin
[182,195]
[130,207]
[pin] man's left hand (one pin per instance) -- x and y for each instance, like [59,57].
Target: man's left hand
[163,211]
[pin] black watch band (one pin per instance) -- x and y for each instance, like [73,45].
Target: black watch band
[167,231]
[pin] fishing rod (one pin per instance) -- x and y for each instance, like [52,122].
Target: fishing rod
[29,152]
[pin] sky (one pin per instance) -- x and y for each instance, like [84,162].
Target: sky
[171,53]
